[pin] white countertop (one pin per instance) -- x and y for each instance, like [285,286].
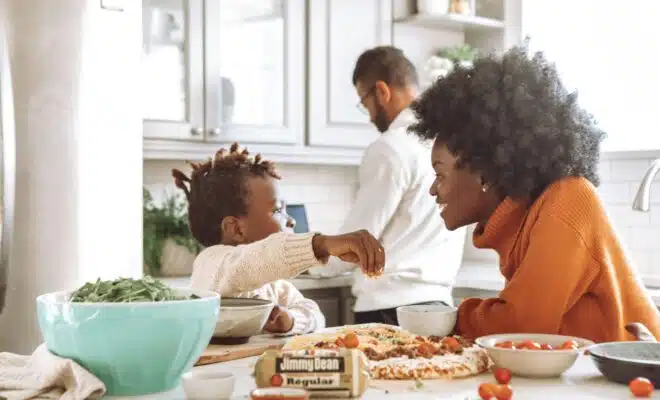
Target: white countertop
[582,381]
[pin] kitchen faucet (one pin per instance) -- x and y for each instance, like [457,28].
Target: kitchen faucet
[642,200]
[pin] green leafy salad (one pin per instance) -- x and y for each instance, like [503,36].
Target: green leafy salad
[126,290]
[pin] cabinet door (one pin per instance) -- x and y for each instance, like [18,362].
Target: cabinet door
[255,59]
[172,69]
[339,31]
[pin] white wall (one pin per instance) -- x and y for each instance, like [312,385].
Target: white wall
[79,153]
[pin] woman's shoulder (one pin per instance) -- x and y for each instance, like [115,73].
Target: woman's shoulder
[572,190]
[573,199]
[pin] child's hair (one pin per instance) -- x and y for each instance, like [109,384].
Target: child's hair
[217,189]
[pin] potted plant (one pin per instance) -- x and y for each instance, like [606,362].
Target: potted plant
[444,60]
[168,246]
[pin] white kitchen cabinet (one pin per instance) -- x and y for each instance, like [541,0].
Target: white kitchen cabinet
[255,70]
[172,69]
[224,71]
[339,31]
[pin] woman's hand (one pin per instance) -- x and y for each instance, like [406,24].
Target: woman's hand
[279,321]
[359,247]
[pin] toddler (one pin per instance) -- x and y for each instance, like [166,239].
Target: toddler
[234,211]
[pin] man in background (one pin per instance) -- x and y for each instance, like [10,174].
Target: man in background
[393,201]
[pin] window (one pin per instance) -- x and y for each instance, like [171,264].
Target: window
[608,52]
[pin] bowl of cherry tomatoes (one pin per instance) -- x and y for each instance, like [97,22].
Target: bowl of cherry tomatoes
[533,355]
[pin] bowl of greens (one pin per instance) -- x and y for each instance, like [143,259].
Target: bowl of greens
[138,336]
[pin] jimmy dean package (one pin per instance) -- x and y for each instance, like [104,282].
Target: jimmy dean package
[323,373]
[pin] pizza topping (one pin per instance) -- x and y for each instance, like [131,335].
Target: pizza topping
[641,387]
[452,344]
[426,350]
[351,341]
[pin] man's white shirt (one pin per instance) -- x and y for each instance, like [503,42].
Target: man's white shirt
[394,204]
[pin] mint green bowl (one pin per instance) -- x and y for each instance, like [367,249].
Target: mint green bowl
[134,348]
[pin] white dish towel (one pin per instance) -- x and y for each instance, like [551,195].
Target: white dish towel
[44,375]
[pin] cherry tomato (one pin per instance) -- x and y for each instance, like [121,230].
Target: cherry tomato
[569,345]
[507,344]
[529,345]
[276,380]
[451,343]
[351,340]
[641,387]
[487,391]
[502,375]
[546,346]
[503,392]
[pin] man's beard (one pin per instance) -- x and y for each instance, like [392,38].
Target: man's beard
[381,121]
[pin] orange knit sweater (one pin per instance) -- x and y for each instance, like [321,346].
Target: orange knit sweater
[566,271]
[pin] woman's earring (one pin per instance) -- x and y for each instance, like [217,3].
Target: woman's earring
[484,188]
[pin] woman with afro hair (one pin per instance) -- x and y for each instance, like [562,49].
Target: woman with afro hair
[515,154]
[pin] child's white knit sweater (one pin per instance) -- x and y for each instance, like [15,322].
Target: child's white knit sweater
[258,269]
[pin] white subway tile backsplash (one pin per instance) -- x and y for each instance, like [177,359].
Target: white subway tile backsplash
[327,191]
[629,170]
[615,193]
[605,170]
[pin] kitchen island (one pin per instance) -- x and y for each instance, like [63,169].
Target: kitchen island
[582,381]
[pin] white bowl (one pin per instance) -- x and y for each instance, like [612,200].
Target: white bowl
[206,384]
[427,319]
[242,318]
[533,363]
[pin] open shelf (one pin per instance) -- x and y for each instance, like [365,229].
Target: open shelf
[453,22]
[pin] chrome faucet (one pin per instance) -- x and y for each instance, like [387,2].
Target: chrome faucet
[642,200]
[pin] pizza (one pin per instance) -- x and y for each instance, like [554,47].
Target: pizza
[395,354]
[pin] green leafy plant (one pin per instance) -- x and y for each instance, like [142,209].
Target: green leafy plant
[126,290]
[167,221]
[458,53]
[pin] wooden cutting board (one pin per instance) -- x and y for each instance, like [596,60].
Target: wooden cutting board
[216,353]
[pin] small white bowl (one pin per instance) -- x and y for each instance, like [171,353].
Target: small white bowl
[427,319]
[242,318]
[533,363]
[205,384]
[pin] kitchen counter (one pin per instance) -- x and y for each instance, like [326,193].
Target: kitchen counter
[582,381]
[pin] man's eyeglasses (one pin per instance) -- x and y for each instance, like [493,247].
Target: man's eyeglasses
[360,104]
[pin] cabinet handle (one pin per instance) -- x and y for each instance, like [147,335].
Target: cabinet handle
[196,131]
[214,132]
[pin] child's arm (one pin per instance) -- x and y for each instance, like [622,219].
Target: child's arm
[230,270]
[294,307]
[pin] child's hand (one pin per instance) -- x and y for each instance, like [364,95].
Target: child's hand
[279,321]
[358,247]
